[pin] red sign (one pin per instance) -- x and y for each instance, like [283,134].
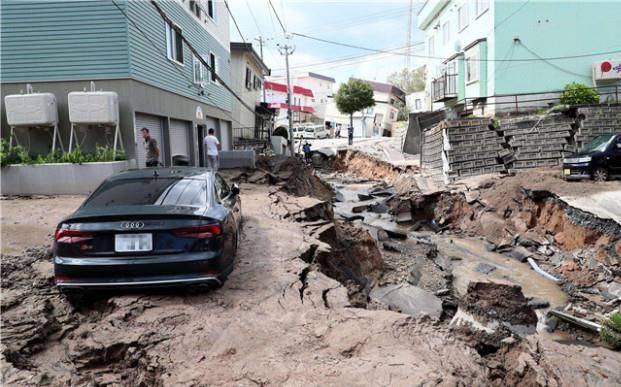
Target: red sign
[606,66]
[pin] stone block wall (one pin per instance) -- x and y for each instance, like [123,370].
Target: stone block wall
[454,149]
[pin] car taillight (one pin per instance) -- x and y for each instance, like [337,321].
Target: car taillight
[198,232]
[64,235]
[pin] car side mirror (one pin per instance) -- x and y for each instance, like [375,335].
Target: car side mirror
[234,190]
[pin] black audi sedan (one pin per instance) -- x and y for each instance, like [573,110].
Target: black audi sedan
[148,228]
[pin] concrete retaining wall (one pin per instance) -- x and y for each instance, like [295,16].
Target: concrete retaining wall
[454,149]
[58,179]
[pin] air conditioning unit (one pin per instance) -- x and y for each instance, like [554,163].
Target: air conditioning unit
[31,109]
[93,107]
[607,70]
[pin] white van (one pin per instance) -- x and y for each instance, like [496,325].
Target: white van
[315,131]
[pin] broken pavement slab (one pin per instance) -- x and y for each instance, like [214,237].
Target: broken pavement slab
[409,299]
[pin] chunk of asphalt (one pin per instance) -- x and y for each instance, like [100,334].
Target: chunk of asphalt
[409,299]
[365,197]
[484,268]
[379,208]
[404,217]
[538,303]
[359,209]
[392,246]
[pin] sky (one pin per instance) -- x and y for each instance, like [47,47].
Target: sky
[374,24]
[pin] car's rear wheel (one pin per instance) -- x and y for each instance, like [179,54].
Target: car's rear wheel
[600,174]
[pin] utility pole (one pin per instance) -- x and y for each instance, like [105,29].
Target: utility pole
[287,50]
[408,43]
[261,41]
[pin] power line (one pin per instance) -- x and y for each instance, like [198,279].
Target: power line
[234,21]
[552,64]
[284,30]
[350,22]
[191,81]
[253,18]
[348,57]
[442,58]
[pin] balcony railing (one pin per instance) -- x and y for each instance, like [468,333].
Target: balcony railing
[444,87]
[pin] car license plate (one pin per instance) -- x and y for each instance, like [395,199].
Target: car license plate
[567,171]
[124,243]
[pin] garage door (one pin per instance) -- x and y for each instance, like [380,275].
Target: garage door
[179,138]
[154,124]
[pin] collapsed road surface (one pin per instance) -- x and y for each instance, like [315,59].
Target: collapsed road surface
[297,309]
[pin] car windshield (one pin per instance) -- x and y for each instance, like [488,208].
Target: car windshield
[598,144]
[310,129]
[150,191]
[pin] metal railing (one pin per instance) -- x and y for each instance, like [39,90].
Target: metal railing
[444,87]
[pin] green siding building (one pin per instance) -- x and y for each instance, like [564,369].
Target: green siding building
[489,56]
[123,46]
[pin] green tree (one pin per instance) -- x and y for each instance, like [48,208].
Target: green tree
[409,80]
[354,96]
[578,94]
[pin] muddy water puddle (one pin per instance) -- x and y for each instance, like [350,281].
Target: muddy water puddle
[473,254]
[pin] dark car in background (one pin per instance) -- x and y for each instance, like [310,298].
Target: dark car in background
[150,227]
[598,160]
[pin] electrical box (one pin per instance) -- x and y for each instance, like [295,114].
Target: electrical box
[93,107]
[31,109]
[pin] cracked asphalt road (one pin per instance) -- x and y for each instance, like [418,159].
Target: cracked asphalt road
[258,329]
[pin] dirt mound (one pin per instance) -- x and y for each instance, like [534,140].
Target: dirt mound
[290,173]
[362,165]
[493,301]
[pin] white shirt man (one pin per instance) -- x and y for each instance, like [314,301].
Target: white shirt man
[211,147]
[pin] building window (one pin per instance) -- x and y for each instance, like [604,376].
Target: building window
[462,14]
[418,104]
[210,9]
[446,32]
[481,6]
[370,110]
[198,71]
[248,78]
[213,63]
[195,8]
[174,43]
[472,65]
[431,46]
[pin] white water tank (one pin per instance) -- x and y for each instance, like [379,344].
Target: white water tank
[93,107]
[31,109]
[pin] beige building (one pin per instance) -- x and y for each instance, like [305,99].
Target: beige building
[372,121]
[248,72]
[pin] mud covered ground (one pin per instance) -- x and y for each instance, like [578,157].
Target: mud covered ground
[297,309]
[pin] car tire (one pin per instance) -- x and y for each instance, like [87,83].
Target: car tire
[600,174]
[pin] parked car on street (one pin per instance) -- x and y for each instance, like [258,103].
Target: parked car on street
[599,160]
[151,227]
[315,131]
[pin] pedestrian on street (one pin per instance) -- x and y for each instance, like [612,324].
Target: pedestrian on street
[307,151]
[338,131]
[212,145]
[151,148]
[350,135]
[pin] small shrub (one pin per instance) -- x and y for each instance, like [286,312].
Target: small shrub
[14,155]
[578,94]
[611,331]
[18,155]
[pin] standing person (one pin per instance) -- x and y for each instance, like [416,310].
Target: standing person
[307,151]
[212,145]
[350,135]
[338,131]
[151,148]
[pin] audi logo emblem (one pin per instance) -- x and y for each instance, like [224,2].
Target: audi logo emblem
[128,225]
